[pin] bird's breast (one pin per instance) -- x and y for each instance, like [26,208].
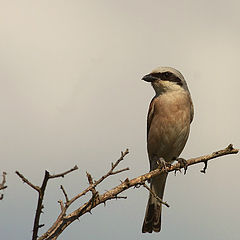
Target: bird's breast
[170,124]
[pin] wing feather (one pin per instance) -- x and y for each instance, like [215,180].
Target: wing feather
[150,115]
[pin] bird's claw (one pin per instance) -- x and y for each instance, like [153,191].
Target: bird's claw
[162,164]
[183,164]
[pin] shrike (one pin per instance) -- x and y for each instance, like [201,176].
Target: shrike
[168,124]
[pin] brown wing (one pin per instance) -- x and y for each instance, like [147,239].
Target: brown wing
[191,110]
[150,115]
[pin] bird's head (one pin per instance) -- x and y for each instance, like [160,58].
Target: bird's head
[166,79]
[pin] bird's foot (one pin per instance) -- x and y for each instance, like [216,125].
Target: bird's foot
[162,164]
[183,164]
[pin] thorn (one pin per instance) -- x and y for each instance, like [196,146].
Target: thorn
[230,147]
[138,185]
[41,225]
[205,167]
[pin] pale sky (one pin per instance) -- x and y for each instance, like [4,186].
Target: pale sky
[71,93]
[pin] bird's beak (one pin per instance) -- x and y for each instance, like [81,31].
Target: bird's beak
[149,78]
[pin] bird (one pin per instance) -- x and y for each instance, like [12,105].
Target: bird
[168,124]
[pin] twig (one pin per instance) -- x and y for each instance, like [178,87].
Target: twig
[123,154]
[154,195]
[64,193]
[110,172]
[90,181]
[64,173]
[61,205]
[121,170]
[37,188]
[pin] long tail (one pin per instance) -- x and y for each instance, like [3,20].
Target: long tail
[152,220]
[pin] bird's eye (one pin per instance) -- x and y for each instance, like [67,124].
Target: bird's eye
[166,75]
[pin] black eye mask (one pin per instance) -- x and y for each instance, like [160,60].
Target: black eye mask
[165,76]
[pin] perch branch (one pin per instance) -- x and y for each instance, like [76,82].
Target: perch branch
[64,221]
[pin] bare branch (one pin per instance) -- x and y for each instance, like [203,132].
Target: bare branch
[64,173]
[121,170]
[154,195]
[64,193]
[40,206]
[123,154]
[37,188]
[41,192]
[93,189]
[64,221]
[110,172]
[61,205]
[90,179]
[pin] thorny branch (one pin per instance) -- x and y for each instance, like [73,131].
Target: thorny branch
[2,184]
[64,220]
[41,192]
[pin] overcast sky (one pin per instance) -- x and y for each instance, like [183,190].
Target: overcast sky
[71,93]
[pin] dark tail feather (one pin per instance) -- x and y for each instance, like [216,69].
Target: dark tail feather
[152,220]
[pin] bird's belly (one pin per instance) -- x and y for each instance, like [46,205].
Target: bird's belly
[168,136]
